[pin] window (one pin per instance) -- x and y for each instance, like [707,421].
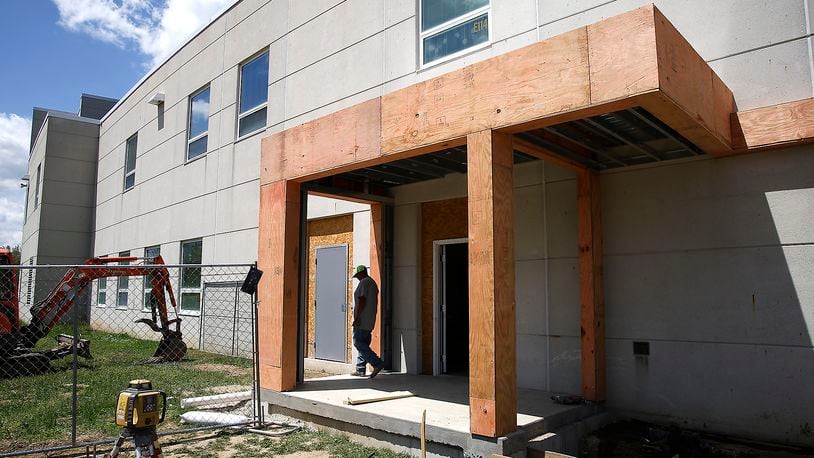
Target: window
[254,87]
[101,291]
[37,187]
[191,253]
[101,294]
[450,27]
[197,134]
[130,162]
[150,254]
[122,284]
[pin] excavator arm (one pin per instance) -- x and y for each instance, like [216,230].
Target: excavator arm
[47,314]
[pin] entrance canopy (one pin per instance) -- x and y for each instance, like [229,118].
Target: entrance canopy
[625,91]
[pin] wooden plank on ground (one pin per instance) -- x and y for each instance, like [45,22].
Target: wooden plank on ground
[359,400]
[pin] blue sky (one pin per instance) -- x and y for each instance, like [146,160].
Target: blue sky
[54,50]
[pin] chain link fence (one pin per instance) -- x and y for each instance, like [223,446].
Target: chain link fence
[72,337]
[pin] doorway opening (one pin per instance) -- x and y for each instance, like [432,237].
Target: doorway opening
[451,298]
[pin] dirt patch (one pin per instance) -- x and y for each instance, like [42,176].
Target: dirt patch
[318,454]
[223,368]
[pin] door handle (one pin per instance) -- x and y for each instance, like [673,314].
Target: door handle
[344,306]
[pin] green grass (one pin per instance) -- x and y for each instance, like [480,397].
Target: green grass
[255,446]
[36,410]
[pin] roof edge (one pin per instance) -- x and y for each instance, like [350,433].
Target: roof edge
[181,46]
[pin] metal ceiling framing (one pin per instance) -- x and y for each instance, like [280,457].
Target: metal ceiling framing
[612,140]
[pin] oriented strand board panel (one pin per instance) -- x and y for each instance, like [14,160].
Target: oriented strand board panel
[778,125]
[591,294]
[440,220]
[536,81]
[492,326]
[337,230]
[278,258]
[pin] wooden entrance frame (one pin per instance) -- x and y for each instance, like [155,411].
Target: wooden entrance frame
[572,76]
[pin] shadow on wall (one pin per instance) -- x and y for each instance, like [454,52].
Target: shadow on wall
[711,263]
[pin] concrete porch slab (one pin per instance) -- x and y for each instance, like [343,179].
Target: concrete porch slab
[445,400]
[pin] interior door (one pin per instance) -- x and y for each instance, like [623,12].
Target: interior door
[331,303]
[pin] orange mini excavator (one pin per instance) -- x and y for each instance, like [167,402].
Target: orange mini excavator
[17,340]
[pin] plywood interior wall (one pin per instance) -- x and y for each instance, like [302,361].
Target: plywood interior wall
[327,232]
[440,220]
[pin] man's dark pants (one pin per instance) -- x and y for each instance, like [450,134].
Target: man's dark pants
[361,340]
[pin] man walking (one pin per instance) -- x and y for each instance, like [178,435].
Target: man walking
[365,303]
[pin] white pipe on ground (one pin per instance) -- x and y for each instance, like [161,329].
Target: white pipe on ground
[213,418]
[216,399]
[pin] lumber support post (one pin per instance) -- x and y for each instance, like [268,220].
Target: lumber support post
[376,269]
[279,259]
[591,294]
[492,337]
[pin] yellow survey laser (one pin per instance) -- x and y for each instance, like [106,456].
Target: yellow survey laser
[139,409]
[138,405]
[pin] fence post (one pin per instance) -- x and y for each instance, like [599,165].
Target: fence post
[256,350]
[75,362]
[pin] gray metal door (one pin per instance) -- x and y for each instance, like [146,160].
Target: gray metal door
[331,303]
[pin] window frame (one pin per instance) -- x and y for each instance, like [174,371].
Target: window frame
[148,288]
[191,140]
[259,107]
[123,279]
[133,137]
[423,34]
[182,289]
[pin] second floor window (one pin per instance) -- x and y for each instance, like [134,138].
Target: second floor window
[254,87]
[130,162]
[37,187]
[197,136]
[451,27]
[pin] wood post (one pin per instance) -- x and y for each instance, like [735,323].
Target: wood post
[591,294]
[279,258]
[376,269]
[492,344]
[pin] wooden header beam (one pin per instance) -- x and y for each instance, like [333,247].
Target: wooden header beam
[571,76]
[786,124]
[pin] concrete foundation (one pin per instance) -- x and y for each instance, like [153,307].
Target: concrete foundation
[396,424]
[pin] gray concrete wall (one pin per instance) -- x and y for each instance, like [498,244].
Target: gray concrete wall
[710,261]
[59,230]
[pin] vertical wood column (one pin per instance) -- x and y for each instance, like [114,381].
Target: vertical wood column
[376,269]
[492,339]
[591,294]
[279,258]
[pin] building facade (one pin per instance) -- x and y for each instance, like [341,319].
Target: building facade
[708,292]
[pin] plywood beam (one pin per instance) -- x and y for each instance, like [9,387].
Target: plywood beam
[492,334]
[377,268]
[591,294]
[786,124]
[541,153]
[279,258]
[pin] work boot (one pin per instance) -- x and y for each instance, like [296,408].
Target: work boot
[376,371]
[358,373]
